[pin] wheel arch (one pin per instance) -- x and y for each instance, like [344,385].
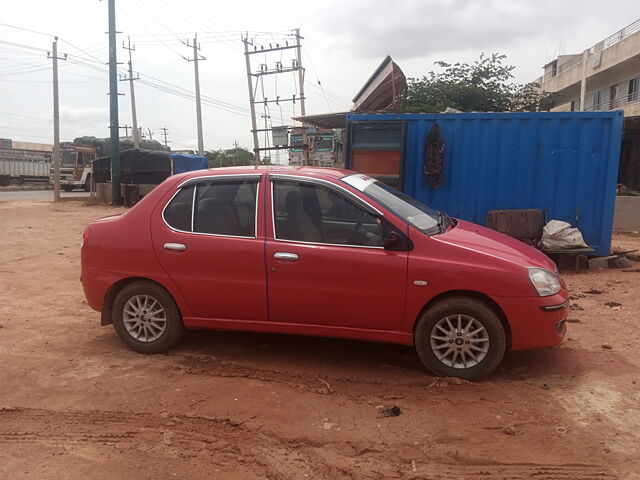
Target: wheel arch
[481,297]
[112,292]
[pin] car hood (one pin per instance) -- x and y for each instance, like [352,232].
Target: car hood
[489,242]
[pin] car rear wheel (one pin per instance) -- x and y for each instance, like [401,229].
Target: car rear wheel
[460,337]
[146,317]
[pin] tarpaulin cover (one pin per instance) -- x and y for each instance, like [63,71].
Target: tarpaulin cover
[183,162]
[137,166]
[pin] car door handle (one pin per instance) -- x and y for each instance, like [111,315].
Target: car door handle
[292,257]
[175,246]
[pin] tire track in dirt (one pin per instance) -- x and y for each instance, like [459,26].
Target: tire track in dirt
[357,389]
[237,445]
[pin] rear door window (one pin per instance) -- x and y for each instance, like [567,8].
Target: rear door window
[226,208]
[216,207]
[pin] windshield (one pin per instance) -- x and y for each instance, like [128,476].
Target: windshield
[68,158]
[425,219]
[324,144]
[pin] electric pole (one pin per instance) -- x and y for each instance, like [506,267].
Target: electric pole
[113,106]
[305,137]
[265,69]
[150,133]
[56,121]
[164,134]
[254,125]
[130,77]
[196,58]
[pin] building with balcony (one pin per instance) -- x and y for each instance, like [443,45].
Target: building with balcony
[605,76]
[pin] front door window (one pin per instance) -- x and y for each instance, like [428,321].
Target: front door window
[309,212]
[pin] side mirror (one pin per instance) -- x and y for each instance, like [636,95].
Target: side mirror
[391,239]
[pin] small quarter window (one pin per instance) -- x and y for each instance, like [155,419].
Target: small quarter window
[178,213]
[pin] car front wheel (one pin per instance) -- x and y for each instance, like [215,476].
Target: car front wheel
[146,317]
[460,337]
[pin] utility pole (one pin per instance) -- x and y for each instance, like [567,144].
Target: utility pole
[113,107]
[164,134]
[150,133]
[130,77]
[126,130]
[56,121]
[305,137]
[254,126]
[196,58]
[265,69]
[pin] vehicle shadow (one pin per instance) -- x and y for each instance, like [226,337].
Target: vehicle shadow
[357,359]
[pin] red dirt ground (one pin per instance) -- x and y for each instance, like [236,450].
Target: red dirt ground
[76,404]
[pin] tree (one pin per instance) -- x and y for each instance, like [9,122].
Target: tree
[231,157]
[482,86]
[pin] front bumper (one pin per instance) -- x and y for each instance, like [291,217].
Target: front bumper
[536,322]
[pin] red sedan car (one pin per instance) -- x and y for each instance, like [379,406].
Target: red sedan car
[321,252]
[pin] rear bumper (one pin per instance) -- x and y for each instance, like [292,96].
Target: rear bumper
[535,322]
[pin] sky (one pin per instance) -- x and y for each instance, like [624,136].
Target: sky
[343,42]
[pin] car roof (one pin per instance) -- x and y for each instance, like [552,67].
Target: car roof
[334,173]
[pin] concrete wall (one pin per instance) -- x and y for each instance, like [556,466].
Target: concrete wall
[626,217]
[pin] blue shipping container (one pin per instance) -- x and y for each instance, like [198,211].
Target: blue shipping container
[564,163]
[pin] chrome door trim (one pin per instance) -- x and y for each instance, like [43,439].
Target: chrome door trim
[228,176]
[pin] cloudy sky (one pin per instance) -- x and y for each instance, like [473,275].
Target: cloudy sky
[343,42]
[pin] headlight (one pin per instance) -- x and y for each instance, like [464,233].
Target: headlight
[545,282]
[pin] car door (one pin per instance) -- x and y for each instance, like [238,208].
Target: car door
[208,236]
[326,263]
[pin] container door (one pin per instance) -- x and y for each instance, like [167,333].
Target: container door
[376,149]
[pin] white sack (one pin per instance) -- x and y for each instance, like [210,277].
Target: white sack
[557,235]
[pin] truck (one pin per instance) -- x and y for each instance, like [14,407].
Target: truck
[325,148]
[75,166]
[22,162]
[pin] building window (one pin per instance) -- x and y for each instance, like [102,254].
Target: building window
[632,92]
[575,105]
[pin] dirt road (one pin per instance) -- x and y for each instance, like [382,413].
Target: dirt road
[75,404]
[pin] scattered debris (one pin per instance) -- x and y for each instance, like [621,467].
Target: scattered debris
[613,304]
[575,306]
[166,438]
[561,429]
[631,270]
[414,469]
[7,409]
[573,320]
[327,425]
[326,390]
[389,410]
[594,291]
[575,296]
[509,430]
[606,346]
[544,386]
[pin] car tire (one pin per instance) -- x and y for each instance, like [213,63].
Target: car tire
[146,318]
[67,188]
[460,337]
